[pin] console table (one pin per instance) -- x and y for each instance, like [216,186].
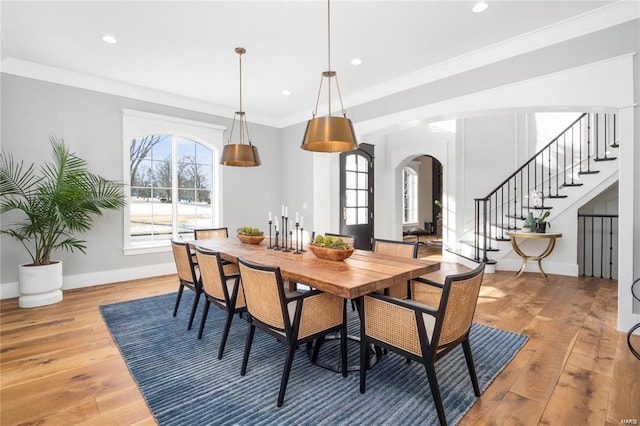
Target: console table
[550,236]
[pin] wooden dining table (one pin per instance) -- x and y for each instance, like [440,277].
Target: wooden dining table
[362,273]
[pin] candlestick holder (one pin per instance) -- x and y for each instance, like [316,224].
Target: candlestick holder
[285,230]
[270,246]
[290,240]
[302,250]
[297,239]
[276,246]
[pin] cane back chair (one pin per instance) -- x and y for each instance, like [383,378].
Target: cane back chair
[293,319]
[221,288]
[188,275]
[423,333]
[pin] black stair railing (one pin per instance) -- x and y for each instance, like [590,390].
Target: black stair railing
[556,166]
[598,245]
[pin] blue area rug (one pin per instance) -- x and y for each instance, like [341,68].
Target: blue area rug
[185,384]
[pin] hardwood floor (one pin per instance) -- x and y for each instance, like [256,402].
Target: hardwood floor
[59,364]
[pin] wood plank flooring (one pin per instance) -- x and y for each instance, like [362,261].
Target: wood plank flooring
[59,365]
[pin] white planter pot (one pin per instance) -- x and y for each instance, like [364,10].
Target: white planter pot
[39,285]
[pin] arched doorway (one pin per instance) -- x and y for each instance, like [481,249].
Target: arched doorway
[422,204]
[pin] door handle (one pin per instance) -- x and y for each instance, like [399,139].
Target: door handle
[344,213]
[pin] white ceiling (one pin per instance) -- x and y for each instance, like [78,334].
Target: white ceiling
[186,49]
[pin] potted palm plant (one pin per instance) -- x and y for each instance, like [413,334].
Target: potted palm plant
[52,207]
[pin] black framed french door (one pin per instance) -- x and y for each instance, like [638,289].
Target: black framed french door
[356,195]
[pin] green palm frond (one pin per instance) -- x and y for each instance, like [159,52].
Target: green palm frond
[59,203]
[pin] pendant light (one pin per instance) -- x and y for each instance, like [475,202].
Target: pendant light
[329,134]
[240,154]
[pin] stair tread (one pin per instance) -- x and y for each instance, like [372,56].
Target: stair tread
[605,159]
[457,253]
[472,244]
[572,184]
[589,172]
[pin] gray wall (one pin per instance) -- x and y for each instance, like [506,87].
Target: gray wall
[91,125]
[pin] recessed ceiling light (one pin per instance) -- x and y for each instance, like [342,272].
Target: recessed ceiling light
[107,38]
[285,93]
[481,6]
[356,61]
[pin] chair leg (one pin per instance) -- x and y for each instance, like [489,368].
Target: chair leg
[247,349]
[225,333]
[472,369]
[175,309]
[435,391]
[194,308]
[343,351]
[285,374]
[317,343]
[205,312]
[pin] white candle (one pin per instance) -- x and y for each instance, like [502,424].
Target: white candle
[276,223]
[269,216]
[301,221]
[282,214]
[297,217]
[286,211]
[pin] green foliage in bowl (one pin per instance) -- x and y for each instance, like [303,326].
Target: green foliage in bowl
[330,242]
[248,230]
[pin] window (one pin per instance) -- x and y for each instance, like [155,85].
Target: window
[409,196]
[172,171]
[356,190]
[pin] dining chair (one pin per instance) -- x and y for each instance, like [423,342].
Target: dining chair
[423,333]
[400,249]
[188,275]
[210,233]
[220,288]
[215,234]
[293,318]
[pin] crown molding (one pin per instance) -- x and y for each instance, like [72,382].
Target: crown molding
[598,19]
[580,25]
[113,87]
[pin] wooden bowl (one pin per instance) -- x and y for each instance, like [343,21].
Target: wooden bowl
[250,239]
[330,253]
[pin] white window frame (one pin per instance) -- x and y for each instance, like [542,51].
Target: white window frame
[138,123]
[411,198]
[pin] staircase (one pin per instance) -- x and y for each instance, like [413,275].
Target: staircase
[547,181]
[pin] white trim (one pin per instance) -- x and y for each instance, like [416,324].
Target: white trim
[598,19]
[618,71]
[139,123]
[10,290]
[160,117]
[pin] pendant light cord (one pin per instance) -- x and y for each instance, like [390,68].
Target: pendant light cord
[242,125]
[329,74]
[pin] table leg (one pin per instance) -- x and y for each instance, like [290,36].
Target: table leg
[525,258]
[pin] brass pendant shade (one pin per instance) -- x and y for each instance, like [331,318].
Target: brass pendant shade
[240,154]
[329,134]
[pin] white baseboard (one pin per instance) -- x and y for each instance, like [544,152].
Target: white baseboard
[10,289]
[556,268]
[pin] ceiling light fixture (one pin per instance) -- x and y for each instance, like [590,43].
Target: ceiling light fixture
[108,38]
[329,134]
[285,93]
[240,154]
[481,6]
[356,61]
